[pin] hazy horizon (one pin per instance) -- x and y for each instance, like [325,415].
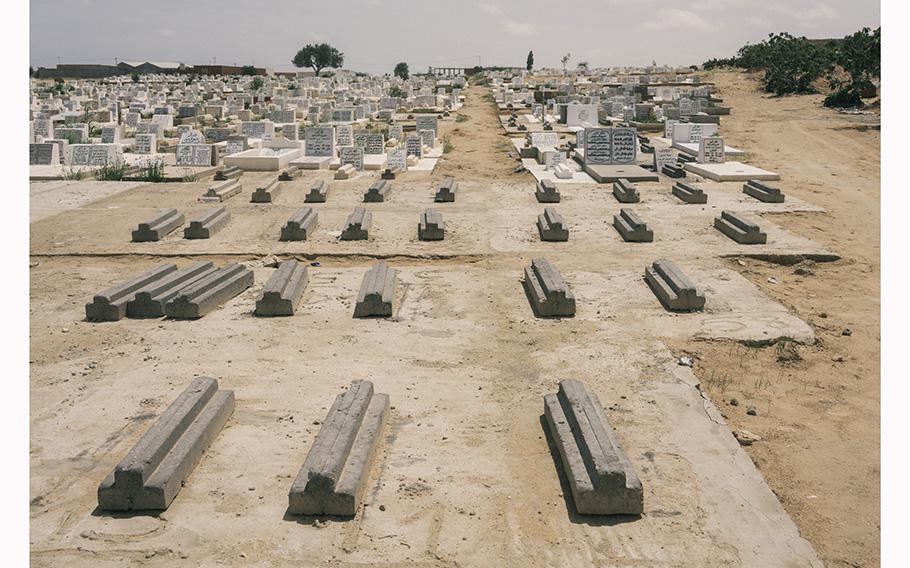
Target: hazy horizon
[374,35]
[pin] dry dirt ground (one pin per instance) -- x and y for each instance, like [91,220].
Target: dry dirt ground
[818,405]
[466,474]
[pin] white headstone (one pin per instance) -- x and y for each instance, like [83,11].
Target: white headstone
[319,141]
[352,155]
[711,150]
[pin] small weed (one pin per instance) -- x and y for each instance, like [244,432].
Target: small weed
[152,172]
[111,172]
[72,174]
[461,118]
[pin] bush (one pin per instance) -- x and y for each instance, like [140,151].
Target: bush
[844,97]
[152,172]
[111,172]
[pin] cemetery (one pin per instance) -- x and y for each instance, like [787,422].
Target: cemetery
[226,355]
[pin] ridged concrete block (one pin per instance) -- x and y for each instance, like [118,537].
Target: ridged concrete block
[224,190]
[110,304]
[152,473]
[357,226]
[631,227]
[150,301]
[563,171]
[229,172]
[337,467]
[625,192]
[740,229]
[602,479]
[431,226]
[300,226]
[289,174]
[208,293]
[547,192]
[763,192]
[318,192]
[551,226]
[377,192]
[547,290]
[283,291]
[163,223]
[207,223]
[689,193]
[267,192]
[673,288]
[673,171]
[445,193]
[377,291]
[388,173]
[346,171]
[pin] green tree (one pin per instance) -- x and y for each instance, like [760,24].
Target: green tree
[564,60]
[256,83]
[248,70]
[318,57]
[860,56]
[134,76]
[529,64]
[401,70]
[583,66]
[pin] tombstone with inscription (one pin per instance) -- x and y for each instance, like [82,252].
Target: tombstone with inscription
[43,154]
[663,157]
[352,155]
[397,158]
[344,135]
[711,150]
[428,137]
[414,146]
[145,144]
[375,144]
[598,146]
[196,155]
[235,144]
[428,123]
[625,145]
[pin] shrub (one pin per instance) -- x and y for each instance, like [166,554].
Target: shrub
[111,172]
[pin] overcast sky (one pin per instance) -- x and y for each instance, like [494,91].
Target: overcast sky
[375,34]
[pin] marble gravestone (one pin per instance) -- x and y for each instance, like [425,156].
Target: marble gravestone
[319,141]
[352,155]
[711,150]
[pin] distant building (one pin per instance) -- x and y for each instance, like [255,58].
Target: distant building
[152,67]
[80,71]
[223,70]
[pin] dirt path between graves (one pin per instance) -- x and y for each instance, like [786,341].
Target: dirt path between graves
[817,406]
[480,149]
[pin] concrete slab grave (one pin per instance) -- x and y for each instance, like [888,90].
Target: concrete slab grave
[154,471]
[602,479]
[209,292]
[547,291]
[377,292]
[431,226]
[337,467]
[300,225]
[163,223]
[283,290]
[207,223]
[673,288]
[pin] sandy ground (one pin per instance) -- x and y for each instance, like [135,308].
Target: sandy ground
[818,405]
[466,474]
